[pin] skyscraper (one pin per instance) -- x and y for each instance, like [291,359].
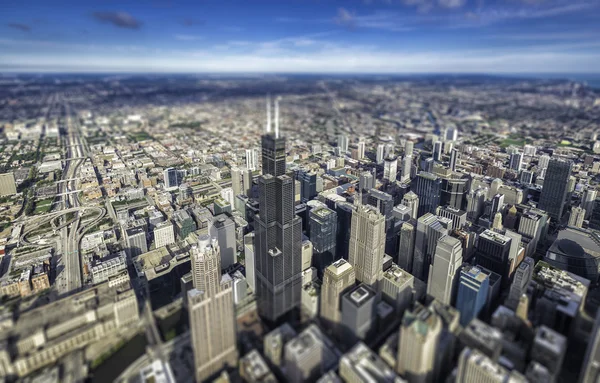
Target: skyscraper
[472,293]
[590,370]
[344,212]
[322,225]
[236,181]
[411,200]
[430,229]
[390,169]
[554,191]
[211,311]
[576,217]
[437,151]
[252,159]
[420,335]
[406,246]
[406,168]
[493,251]
[443,273]
[172,177]
[516,161]
[474,366]
[308,185]
[342,143]
[427,187]
[223,229]
[366,181]
[380,153]
[453,159]
[367,244]
[337,279]
[521,280]
[135,238]
[588,201]
[278,238]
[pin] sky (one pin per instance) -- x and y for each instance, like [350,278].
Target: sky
[301,36]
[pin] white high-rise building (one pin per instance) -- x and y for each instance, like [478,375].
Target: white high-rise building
[380,153]
[444,272]
[588,201]
[211,311]
[236,181]
[343,143]
[337,278]
[411,200]
[252,159]
[367,244]
[361,149]
[390,169]
[228,195]
[164,234]
[576,217]
[420,335]
[406,169]
[475,366]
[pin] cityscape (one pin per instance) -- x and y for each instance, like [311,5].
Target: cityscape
[357,191]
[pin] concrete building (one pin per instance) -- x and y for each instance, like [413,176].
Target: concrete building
[275,341]
[135,239]
[443,274]
[483,337]
[590,369]
[549,349]
[361,364]
[253,368]
[211,311]
[358,313]
[398,288]
[420,335]
[164,234]
[309,355]
[472,293]
[406,246]
[430,229]
[223,229]
[41,336]
[411,200]
[390,169]
[576,217]
[7,184]
[367,244]
[474,366]
[458,217]
[337,279]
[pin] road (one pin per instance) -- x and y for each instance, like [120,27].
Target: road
[70,279]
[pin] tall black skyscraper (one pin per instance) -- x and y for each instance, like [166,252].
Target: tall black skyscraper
[278,237]
[273,155]
[323,224]
[428,187]
[554,191]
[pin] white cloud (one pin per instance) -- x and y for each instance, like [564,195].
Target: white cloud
[452,3]
[335,59]
[188,37]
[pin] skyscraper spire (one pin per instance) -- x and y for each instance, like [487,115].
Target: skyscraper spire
[268,128]
[276,117]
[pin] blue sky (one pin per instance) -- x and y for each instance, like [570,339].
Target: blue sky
[307,36]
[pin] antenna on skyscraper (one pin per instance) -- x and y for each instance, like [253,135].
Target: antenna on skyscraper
[268,129]
[276,117]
